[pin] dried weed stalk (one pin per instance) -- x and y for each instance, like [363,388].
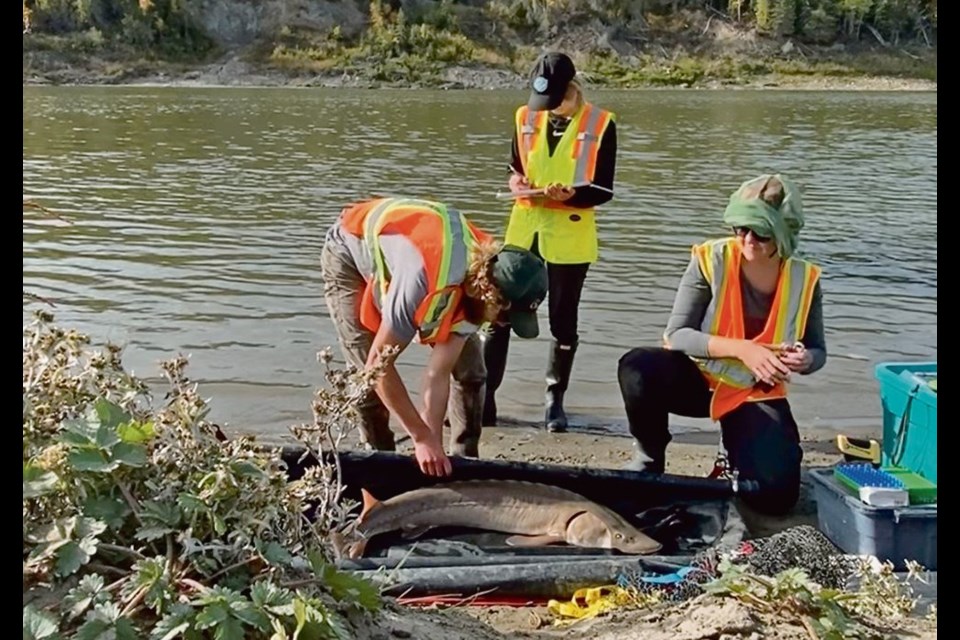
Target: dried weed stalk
[881,594]
[335,417]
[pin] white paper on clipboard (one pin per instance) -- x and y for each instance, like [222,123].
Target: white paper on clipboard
[529,193]
[526,193]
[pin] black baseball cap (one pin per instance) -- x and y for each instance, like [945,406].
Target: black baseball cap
[549,80]
[521,277]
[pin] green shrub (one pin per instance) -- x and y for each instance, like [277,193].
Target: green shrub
[146,522]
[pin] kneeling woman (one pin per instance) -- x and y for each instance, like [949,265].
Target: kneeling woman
[746,316]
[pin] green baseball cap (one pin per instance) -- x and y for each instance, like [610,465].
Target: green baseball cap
[521,277]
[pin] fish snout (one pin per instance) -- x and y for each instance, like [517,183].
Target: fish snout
[594,530]
[634,543]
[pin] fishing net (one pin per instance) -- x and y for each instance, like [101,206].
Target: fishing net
[802,547]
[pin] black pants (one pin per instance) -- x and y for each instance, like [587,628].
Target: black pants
[566,285]
[563,299]
[761,438]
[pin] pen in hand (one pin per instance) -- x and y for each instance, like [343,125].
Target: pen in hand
[518,181]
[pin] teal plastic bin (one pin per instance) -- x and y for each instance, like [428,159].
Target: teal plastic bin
[909,416]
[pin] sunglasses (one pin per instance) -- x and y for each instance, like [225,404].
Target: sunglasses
[743,231]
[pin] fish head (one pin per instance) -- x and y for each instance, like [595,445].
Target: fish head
[589,529]
[634,542]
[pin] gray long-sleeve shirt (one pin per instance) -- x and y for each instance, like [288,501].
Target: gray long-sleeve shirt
[408,278]
[690,306]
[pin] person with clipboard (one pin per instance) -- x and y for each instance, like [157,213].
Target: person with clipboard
[562,167]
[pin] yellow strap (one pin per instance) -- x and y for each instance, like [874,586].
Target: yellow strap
[589,602]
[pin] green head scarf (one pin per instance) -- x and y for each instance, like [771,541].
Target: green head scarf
[748,209]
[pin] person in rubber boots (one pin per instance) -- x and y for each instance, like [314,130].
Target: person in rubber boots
[402,269]
[747,315]
[567,147]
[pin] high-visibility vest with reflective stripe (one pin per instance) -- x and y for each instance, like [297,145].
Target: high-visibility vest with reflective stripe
[566,235]
[730,380]
[445,240]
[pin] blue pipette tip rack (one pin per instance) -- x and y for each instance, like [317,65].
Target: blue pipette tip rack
[865,475]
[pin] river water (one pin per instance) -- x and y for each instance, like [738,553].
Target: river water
[198,216]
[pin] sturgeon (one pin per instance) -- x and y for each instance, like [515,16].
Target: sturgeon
[537,514]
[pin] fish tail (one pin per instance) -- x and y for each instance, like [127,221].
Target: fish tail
[339,543]
[356,549]
[345,547]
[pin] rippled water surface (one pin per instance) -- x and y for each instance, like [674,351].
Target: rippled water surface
[198,217]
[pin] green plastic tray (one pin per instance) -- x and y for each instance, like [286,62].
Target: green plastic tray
[921,490]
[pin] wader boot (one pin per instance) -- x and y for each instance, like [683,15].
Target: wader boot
[558,377]
[464,411]
[649,450]
[375,425]
[495,344]
[643,460]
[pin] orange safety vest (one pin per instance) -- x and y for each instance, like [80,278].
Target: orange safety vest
[445,240]
[731,382]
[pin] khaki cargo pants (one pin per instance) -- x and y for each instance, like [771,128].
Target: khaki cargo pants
[342,288]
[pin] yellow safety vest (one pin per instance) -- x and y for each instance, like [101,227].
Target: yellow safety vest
[565,235]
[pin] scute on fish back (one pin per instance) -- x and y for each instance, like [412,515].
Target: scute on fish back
[537,513]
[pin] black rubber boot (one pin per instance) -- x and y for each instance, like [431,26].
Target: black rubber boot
[644,461]
[558,377]
[375,426]
[495,345]
[465,425]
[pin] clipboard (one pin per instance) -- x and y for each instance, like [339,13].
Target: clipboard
[529,193]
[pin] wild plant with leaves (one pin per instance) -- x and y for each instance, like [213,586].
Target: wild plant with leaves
[825,613]
[146,522]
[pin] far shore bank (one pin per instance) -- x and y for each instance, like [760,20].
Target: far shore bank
[45,68]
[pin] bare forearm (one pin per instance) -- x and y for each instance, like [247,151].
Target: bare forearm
[720,347]
[394,395]
[436,382]
[390,386]
[436,394]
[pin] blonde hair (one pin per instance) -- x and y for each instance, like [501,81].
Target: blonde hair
[483,301]
[578,87]
[579,101]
